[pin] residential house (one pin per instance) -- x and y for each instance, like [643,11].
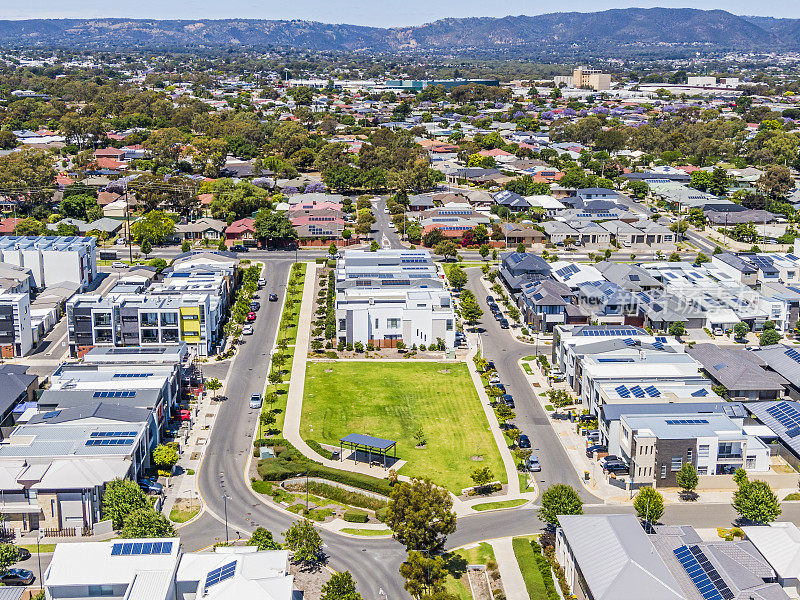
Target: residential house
[517,269]
[241,232]
[740,372]
[546,303]
[205,228]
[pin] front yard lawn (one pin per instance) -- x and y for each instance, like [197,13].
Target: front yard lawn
[393,401]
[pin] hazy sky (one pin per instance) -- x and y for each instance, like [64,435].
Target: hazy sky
[360,12]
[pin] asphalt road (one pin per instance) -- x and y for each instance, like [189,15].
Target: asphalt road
[385,235]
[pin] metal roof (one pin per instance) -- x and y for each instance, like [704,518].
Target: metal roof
[367,440]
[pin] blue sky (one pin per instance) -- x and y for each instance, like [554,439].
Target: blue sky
[384,13]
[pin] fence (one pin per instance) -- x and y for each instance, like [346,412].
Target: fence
[53,532]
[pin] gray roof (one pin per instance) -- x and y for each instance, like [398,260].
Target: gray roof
[778,416]
[14,384]
[665,427]
[783,360]
[629,277]
[617,559]
[738,370]
[96,410]
[12,592]
[61,399]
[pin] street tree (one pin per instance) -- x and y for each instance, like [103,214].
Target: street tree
[470,310]
[687,478]
[304,540]
[186,245]
[424,574]
[457,277]
[341,586]
[756,502]
[740,330]
[420,514]
[559,499]
[154,227]
[121,498]
[446,249]
[484,250]
[332,250]
[769,337]
[147,523]
[262,539]
[213,384]
[165,457]
[8,556]
[701,259]
[274,228]
[481,476]
[649,505]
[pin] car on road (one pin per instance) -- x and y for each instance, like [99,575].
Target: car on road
[508,400]
[256,400]
[590,450]
[273,297]
[494,379]
[247,329]
[255,305]
[524,441]
[503,324]
[251,316]
[16,577]
[490,365]
[150,486]
[618,468]
[261,282]
[184,414]
[386,211]
[490,299]
[611,458]
[238,248]
[118,265]
[532,464]
[500,387]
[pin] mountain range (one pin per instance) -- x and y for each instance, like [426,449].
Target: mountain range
[610,29]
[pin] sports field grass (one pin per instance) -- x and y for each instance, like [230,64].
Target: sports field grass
[393,400]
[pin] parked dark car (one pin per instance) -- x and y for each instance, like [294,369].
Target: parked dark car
[508,400]
[17,577]
[238,248]
[595,448]
[490,365]
[610,458]
[587,418]
[150,486]
[273,297]
[503,324]
[490,299]
[500,387]
[524,441]
[255,305]
[616,467]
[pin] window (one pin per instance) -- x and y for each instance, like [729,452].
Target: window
[376,322]
[676,464]
[150,335]
[449,325]
[750,463]
[342,324]
[149,319]
[702,470]
[101,590]
[52,508]
[689,456]
[103,335]
[169,318]
[702,451]
[392,323]
[663,471]
[102,319]
[169,335]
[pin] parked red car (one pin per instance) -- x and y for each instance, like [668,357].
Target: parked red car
[184,414]
[251,316]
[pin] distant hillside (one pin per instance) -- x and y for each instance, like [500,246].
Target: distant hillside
[608,29]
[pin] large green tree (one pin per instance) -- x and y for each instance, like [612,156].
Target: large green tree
[649,505]
[756,502]
[262,539]
[424,574]
[559,499]
[341,586]
[274,228]
[304,540]
[121,498]
[146,523]
[420,514]
[156,226]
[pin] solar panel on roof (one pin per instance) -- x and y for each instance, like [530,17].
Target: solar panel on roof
[126,548]
[697,574]
[629,342]
[623,391]
[221,574]
[637,391]
[652,391]
[700,392]
[793,354]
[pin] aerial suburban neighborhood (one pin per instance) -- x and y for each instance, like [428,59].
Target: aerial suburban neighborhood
[497,308]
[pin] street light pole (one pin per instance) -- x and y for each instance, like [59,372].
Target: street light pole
[225,500]
[39,559]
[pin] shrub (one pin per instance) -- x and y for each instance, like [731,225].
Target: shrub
[355,516]
[273,469]
[381,513]
[261,487]
[316,447]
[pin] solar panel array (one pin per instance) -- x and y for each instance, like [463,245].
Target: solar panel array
[686,422]
[221,574]
[699,393]
[625,392]
[110,442]
[793,354]
[629,342]
[788,416]
[131,375]
[117,394]
[609,332]
[697,574]
[107,434]
[141,548]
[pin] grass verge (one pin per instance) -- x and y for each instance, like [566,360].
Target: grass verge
[500,504]
[367,532]
[394,401]
[181,516]
[531,574]
[43,548]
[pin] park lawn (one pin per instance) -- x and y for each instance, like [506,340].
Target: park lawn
[530,570]
[393,400]
[367,532]
[500,504]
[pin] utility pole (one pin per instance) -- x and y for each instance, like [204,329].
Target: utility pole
[128,221]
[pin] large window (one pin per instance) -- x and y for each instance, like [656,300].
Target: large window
[101,590]
[102,319]
[149,319]
[150,336]
[103,336]
[169,318]
[392,323]
[342,324]
[676,464]
[169,335]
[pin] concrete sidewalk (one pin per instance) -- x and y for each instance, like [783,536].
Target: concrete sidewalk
[510,573]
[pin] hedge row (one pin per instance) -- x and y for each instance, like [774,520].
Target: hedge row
[316,447]
[544,569]
[343,496]
[355,516]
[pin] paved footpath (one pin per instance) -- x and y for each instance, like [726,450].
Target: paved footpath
[510,573]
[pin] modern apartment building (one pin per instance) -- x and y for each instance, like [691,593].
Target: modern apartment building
[389,296]
[52,259]
[16,334]
[140,320]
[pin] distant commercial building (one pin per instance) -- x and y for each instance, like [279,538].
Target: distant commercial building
[52,259]
[586,79]
[421,84]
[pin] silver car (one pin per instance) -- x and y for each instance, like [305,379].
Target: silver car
[533,464]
